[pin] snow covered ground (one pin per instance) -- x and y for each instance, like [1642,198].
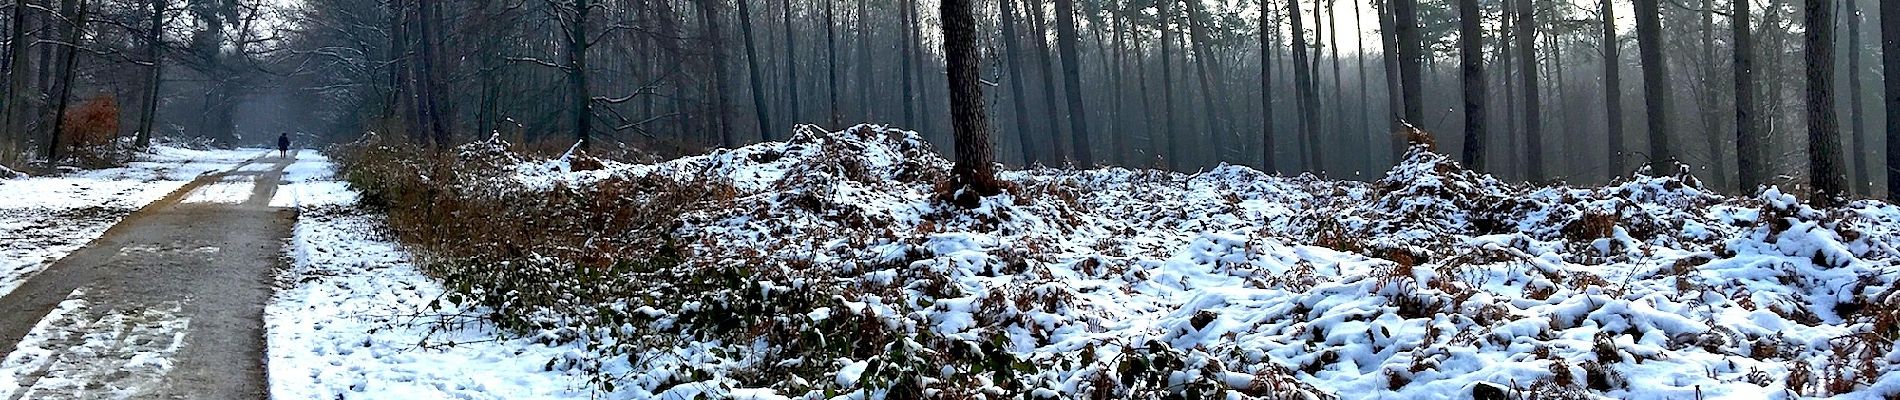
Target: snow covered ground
[353,318]
[44,218]
[854,279]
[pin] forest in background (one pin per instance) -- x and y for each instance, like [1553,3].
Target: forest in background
[1178,85]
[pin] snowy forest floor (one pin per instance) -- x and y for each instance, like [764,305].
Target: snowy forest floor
[832,266]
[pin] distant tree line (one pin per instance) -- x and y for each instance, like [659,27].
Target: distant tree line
[1540,90]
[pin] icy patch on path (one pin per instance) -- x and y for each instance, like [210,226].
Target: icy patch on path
[85,351]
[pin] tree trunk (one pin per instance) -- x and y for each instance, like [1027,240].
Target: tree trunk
[69,57]
[430,96]
[752,67]
[968,120]
[1209,76]
[831,59]
[1471,62]
[1533,119]
[1167,84]
[1890,62]
[1072,79]
[1062,149]
[17,73]
[865,78]
[153,77]
[709,16]
[1749,145]
[1013,54]
[1655,85]
[1863,180]
[1389,55]
[1303,83]
[1705,88]
[1824,141]
[904,67]
[1266,91]
[1119,138]
[1613,88]
[792,112]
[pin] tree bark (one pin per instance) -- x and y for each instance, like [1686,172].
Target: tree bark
[69,57]
[1613,87]
[1863,181]
[1303,82]
[429,97]
[831,59]
[1013,54]
[1062,149]
[1471,63]
[1533,118]
[153,77]
[1411,54]
[1655,85]
[1209,75]
[974,166]
[1824,141]
[1749,145]
[1167,85]
[1072,79]
[865,77]
[792,112]
[709,16]
[758,79]
[1266,90]
[1890,62]
[17,72]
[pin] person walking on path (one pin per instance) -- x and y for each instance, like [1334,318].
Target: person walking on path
[283,145]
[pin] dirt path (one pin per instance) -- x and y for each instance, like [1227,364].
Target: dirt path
[167,304]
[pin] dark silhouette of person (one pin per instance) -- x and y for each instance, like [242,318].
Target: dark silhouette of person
[283,145]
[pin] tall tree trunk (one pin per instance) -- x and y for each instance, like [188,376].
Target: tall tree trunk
[1749,145]
[904,67]
[1389,56]
[1167,85]
[1890,63]
[1471,62]
[1210,75]
[17,73]
[1013,54]
[153,77]
[1411,54]
[1365,103]
[917,62]
[1824,141]
[1339,99]
[792,111]
[968,120]
[1047,60]
[1533,118]
[430,96]
[1655,85]
[1266,90]
[865,78]
[1705,88]
[758,79]
[1613,87]
[69,57]
[722,87]
[1072,79]
[831,59]
[1119,138]
[1303,84]
[1863,180]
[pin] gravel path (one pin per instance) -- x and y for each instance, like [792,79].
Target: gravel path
[167,304]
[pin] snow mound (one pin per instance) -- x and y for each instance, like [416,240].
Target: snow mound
[828,265]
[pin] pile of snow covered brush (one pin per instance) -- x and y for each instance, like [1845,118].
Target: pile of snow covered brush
[828,266]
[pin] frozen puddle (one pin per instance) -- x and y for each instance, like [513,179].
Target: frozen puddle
[231,190]
[81,351]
